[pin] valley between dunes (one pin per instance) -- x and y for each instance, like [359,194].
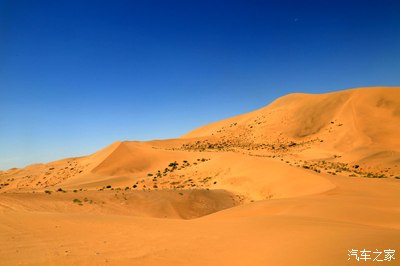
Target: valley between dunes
[298,182]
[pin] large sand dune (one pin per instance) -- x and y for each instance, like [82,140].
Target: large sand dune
[298,182]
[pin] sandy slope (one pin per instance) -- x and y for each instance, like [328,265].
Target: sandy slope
[364,122]
[315,230]
[298,182]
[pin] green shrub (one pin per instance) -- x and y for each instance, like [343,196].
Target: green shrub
[77,201]
[61,190]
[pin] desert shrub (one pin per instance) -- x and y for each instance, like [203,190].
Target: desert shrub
[47,191]
[109,186]
[174,165]
[77,201]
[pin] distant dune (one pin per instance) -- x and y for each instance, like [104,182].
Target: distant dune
[363,122]
[312,175]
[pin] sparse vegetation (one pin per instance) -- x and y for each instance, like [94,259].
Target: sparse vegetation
[335,168]
[78,201]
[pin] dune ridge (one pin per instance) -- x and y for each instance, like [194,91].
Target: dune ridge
[292,175]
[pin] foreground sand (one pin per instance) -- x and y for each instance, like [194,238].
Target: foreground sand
[299,182]
[311,230]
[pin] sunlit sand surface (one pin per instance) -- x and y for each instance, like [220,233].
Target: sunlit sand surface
[298,182]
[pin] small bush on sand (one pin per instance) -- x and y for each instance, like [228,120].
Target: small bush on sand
[77,201]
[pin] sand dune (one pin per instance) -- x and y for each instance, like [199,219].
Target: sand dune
[308,175]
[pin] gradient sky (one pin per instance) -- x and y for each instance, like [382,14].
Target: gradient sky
[76,76]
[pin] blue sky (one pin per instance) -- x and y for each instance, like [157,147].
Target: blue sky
[76,76]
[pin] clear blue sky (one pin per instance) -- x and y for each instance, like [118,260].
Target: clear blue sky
[77,75]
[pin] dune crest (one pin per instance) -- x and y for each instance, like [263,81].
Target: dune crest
[359,122]
[290,176]
[345,129]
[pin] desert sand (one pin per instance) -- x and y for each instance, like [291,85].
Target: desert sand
[299,182]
